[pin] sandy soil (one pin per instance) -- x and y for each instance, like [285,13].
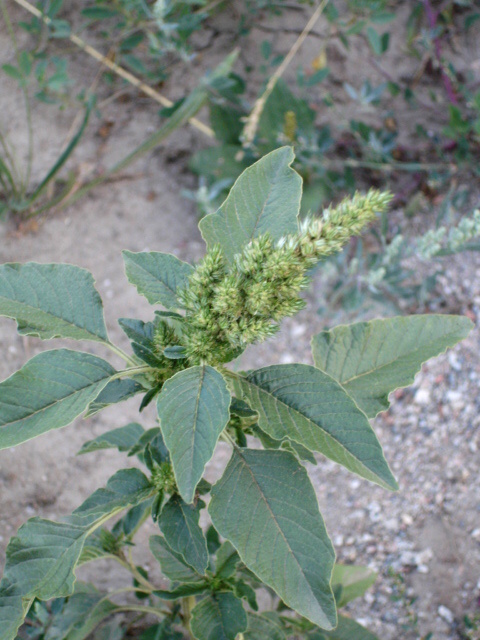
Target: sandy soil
[428,532]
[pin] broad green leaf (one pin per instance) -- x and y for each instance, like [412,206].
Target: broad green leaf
[263,628]
[372,359]
[305,405]
[179,524]
[354,581]
[193,408]
[226,561]
[115,391]
[218,617]
[42,557]
[40,563]
[157,276]
[125,488]
[172,563]
[83,612]
[49,392]
[265,505]
[347,629]
[123,439]
[264,199]
[52,301]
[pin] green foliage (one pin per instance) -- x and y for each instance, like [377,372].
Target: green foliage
[267,531]
[371,359]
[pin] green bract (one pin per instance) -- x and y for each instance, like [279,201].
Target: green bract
[264,507]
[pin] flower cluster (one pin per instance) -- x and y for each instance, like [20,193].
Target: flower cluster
[229,306]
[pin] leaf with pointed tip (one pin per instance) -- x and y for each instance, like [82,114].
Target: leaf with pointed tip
[114,391]
[218,617]
[123,439]
[347,629]
[305,405]
[265,505]
[372,359]
[193,408]
[49,392]
[173,564]
[354,581]
[264,199]
[263,628]
[157,276]
[52,301]
[179,524]
[125,488]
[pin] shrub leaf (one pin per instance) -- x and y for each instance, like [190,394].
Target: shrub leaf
[52,301]
[305,405]
[49,392]
[372,359]
[193,408]
[265,505]
[264,199]
[157,276]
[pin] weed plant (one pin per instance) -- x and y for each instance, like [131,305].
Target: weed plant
[265,531]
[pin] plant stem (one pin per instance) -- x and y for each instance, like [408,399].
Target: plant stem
[129,565]
[187,606]
[119,352]
[132,371]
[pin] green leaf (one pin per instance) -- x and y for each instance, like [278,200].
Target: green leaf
[272,121]
[226,561]
[42,557]
[354,581]
[157,276]
[40,563]
[372,359]
[100,13]
[219,617]
[262,628]
[179,524]
[375,40]
[347,629]
[52,301]
[13,72]
[123,439]
[193,408]
[115,391]
[81,615]
[182,591]
[125,488]
[264,199]
[265,505]
[172,563]
[49,392]
[303,404]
